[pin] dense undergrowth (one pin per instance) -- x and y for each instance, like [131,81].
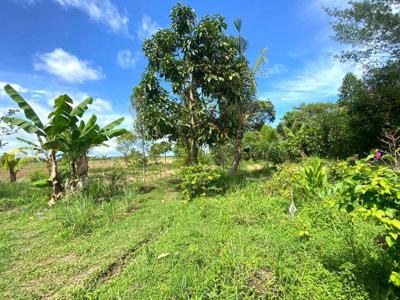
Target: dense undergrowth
[240,244]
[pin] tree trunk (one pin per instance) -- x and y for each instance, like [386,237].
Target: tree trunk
[13,176]
[237,157]
[144,162]
[165,158]
[194,153]
[194,146]
[55,184]
[82,166]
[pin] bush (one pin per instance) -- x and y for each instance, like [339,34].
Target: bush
[372,189]
[199,180]
[104,189]
[37,176]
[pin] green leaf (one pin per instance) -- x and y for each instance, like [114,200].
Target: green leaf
[82,107]
[28,110]
[113,124]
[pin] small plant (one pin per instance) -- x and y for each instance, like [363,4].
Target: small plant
[199,180]
[13,162]
[313,177]
[373,190]
[77,215]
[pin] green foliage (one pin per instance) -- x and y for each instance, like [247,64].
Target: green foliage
[306,180]
[37,175]
[222,153]
[200,64]
[112,184]
[372,189]
[262,144]
[372,104]
[370,28]
[77,214]
[13,162]
[316,129]
[199,180]
[313,177]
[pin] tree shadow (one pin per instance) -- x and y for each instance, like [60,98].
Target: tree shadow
[230,182]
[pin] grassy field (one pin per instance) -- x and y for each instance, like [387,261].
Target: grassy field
[238,245]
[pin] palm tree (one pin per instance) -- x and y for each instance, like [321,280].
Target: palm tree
[14,161]
[246,111]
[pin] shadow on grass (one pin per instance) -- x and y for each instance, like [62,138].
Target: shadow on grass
[229,182]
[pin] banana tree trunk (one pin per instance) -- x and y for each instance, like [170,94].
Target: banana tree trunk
[55,184]
[13,175]
[82,166]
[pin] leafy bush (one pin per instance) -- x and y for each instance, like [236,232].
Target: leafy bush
[308,178]
[104,189]
[374,189]
[313,176]
[36,176]
[199,180]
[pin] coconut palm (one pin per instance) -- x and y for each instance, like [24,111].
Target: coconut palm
[14,161]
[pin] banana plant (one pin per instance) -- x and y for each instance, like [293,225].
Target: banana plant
[61,133]
[80,138]
[14,161]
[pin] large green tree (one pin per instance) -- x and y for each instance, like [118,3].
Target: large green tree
[316,129]
[193,68]
[373,104]
[371,28]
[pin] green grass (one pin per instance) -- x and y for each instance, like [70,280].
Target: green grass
[238,245]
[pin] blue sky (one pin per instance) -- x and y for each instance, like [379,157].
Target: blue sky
[93,47]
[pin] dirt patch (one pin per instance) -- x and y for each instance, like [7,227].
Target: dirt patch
[263,282]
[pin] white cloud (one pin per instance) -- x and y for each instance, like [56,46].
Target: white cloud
[317,81]
[126,59]
[102,11]
[101,106]
[147,28]
[67,66]
[16,86]
[270,71]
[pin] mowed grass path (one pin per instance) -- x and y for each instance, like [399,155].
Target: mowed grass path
[238,245]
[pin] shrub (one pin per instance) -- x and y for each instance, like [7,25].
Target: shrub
[199,180]
[308,178]
[374,189]
[104,189]
[77,214]
[36,176]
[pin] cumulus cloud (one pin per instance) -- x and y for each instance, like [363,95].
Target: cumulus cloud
[126,59]
[102,11]
[67,66]
[147,28]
